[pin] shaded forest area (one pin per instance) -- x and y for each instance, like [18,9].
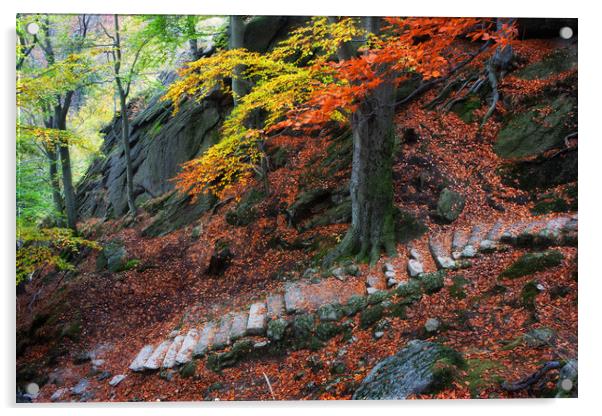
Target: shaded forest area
[284,208]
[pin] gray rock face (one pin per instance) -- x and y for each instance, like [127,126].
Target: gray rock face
[410,371]
[377,282]
[257,323]
[58,394]
[160,142]
[140,360]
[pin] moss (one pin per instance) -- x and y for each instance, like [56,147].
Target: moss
[432,282]
[327,330]
[559,60]
[72,330]
[189,369]
[445,369]
[355,304]
[411,290]
[546,206]
[331,312]
[276,329]
[528,294]
[479,375]
[378,297]
[398,310]
[449,205]
[303,326]
[456,290]
[465,109]
[130,265]
[217,362]
[530,263]
[370,316]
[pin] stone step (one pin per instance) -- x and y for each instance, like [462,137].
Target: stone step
[376,282]
[170,356]
[185,353]
[205,339]
[472,245]
[459,240]
[490,241]
[155,361]
[141,357]
[415,268]
[257,323]
[512,231]
[222,335]
[301,297]
[440,255]
[238,329]
[276,308]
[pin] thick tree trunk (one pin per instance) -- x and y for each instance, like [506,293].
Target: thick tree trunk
[237,38]
[372,213]
[129,172]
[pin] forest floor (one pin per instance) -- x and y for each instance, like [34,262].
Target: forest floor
[170,289]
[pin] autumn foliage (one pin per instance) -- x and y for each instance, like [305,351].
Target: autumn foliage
[300,86]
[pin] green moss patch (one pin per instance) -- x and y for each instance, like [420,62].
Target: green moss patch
[530,263]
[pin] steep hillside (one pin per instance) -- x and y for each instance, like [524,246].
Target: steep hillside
[483,289]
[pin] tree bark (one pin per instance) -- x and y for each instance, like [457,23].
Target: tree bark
[237,38]
[60,118]
[372,212]
[54,178]
[129,172]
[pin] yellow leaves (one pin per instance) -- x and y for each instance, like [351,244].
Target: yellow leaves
[43,247]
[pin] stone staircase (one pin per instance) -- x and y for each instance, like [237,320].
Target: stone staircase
[260,322]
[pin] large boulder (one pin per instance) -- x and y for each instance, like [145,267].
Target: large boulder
[450,205]
[540,128]
[420,367]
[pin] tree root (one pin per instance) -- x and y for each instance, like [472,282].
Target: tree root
[531,379]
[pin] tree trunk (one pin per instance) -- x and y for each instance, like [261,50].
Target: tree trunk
[372,212]
[54,178]
[60,119]
[237,38]
[129,173]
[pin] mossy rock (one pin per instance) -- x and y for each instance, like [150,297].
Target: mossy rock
[276,329]
[219,361]
[450,205]
[303,326]
[410,290]
[530,263]
[549,205]
[189,369]
[327,330]
[245,212]
[432,282]
[456,290]
[331,312]
[371,315]
[378,297]
[529,133]
[355,304]
[560,60]
[528,294]
[112,257]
